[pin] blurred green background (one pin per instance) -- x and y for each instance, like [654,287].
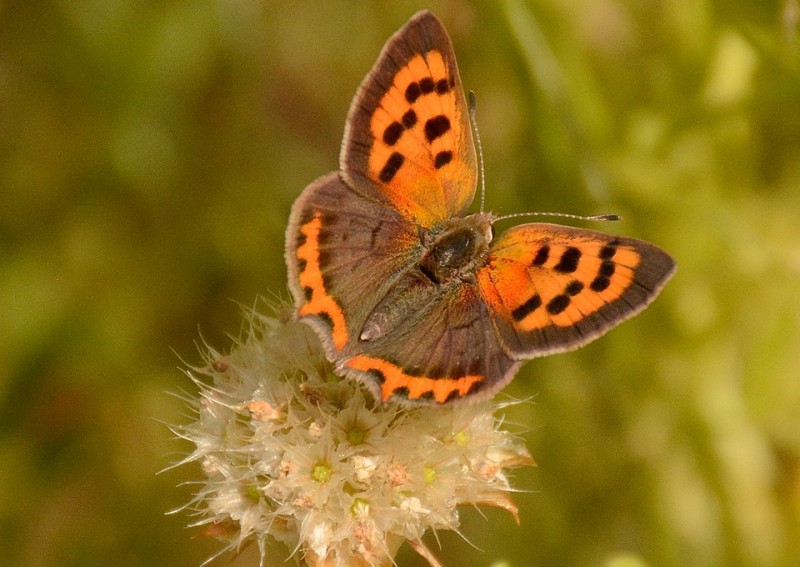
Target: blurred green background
[149,154]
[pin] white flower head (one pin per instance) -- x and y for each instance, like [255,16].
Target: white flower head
[292,452]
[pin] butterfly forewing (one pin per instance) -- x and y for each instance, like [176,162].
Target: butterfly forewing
[553,288]
[408,137]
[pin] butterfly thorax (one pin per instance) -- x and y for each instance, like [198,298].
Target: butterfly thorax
[451,253]
[454,248]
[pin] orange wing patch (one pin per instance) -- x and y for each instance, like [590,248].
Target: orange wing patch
[394,381]
[556,282]
[419,141]
[318,301]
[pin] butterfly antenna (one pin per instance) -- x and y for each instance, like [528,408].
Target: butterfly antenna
[473,103]
[608,217]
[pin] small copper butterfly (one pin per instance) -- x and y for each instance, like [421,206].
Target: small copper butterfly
[414,299]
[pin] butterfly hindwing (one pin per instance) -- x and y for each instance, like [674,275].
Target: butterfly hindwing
[441,349]
[408,140]
[553,288]
[336,242]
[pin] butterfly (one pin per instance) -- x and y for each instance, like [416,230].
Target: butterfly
[412,296]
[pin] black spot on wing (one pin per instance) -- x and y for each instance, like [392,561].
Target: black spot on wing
[409,119]
[392,133]
[391,167]
[413,92]
[527,308]
[607,268]
[569,261]
[541,256]
[443,158]
[558,304]
[436,127]
[377,375]
[608,251]
[401,392]
[574,288]
[427,85]
[600,283]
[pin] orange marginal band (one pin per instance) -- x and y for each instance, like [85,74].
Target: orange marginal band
[395,379]
[320,303]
